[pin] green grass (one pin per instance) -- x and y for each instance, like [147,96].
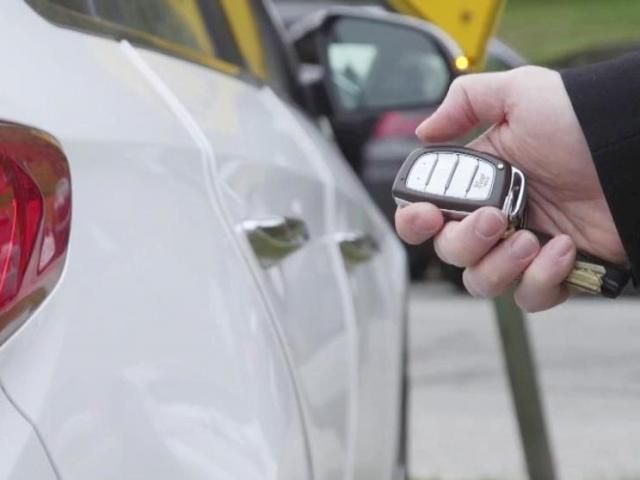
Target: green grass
[544,30]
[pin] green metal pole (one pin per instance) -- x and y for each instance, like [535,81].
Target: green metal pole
[525,394]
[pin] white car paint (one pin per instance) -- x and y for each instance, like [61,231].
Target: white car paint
[23,457]
[166,351]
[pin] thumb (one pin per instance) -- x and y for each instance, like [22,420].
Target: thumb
[471,100]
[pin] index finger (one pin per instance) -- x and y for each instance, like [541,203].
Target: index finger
[418,222]
[472,100]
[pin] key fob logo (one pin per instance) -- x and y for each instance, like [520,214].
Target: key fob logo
[482,180]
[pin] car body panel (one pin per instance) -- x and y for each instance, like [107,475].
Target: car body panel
[142,363]
[23,457]
[380,345]
[378,288]
[267,162]
[262,169]
[166,350]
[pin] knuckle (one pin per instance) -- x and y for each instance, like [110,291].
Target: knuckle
[528,75]
[526,70]
[458,83]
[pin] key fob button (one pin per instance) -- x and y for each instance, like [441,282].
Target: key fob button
[442,173]
[482,182]
[461,180]
[420,172]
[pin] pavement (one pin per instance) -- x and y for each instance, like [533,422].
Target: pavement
[462,424]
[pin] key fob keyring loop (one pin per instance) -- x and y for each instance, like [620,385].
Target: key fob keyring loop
[460,180]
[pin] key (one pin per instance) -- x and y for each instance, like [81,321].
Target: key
[460,180]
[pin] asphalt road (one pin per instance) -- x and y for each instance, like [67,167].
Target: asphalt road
[462,424]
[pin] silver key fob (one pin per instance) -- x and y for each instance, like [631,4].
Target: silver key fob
[459,181]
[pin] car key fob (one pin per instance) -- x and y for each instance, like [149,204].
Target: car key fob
[460,180]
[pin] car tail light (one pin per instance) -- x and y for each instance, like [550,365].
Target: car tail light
[35,219]
[397,125]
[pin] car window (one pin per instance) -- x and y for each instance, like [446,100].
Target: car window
[374,65]
[189,28]
[351,64]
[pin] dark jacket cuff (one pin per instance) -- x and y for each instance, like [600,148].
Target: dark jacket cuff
[606,99]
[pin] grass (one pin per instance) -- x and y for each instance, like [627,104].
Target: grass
[545,30]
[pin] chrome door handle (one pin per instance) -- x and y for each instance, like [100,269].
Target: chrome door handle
[357,247]
[274,238]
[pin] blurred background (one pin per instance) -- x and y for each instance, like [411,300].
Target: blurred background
[587,350]
[462,425]
[564,33]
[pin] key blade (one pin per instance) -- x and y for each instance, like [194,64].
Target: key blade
[585,279]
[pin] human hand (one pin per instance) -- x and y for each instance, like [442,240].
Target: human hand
[534,127]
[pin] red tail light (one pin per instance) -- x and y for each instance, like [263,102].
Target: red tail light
[394,125]
[35,218]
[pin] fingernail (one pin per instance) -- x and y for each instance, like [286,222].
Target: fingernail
[489,224]
[523,245]
[561,246]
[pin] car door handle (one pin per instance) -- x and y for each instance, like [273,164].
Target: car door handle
[274,238]
[357,247]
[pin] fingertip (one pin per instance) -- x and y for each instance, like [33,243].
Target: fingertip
[434,129]
[524,245]
[464,243]
[551,298]
[542,286]
[421,131]
[469,285]
[560,248]
[471,100]
[489,222]
[418,222]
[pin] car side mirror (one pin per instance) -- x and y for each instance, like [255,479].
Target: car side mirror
[374,61]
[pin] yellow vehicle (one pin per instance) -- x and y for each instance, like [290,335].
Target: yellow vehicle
[471,23]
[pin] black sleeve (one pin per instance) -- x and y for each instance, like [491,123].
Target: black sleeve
[606,99]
